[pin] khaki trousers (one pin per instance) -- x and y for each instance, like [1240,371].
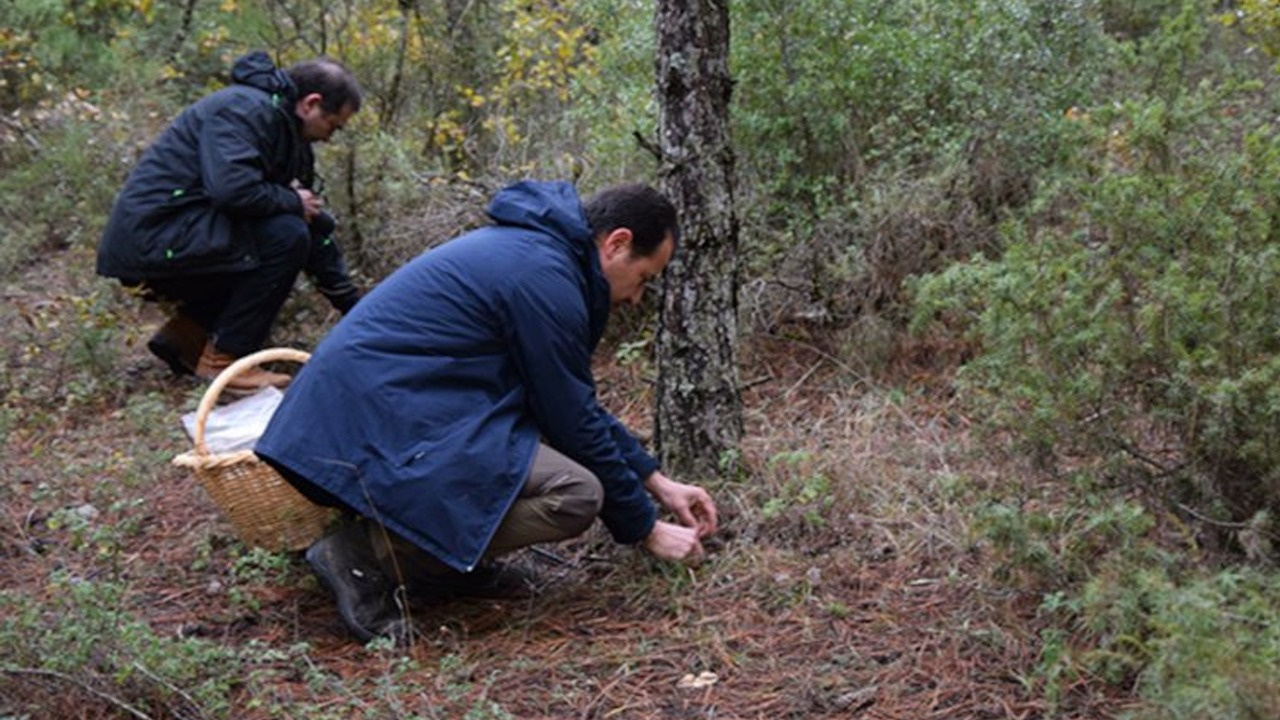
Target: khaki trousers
[560,500]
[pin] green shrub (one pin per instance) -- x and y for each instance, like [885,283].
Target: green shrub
[880,141]
[1132,317]
[1135,18]
[1062,544]
[47,45]
[78,645]
[79,648]
[1206,647]
[67,350]
[53,190]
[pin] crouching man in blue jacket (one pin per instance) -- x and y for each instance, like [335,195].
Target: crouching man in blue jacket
[454,409]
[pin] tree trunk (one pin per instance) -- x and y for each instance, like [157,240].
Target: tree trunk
[183,32]
[699,410]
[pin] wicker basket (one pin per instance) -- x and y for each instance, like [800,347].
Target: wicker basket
[265,510]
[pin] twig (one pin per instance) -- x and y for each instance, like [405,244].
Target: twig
[603,694]
[82,685]
[171,687]
[648,145]
[22,130]
[861,378]
[804,378]
[546,554]
[1164,470]
[427,178]
[399,594]
[1211,521]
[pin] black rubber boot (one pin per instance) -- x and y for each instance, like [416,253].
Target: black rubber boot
[492,580]
[370,603]
[431,580]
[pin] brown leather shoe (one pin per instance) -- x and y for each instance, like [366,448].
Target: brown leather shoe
[213,362]
[179,342]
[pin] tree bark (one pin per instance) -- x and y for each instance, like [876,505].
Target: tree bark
[184,30]
[699,410]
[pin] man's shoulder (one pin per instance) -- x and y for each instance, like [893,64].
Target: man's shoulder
[519,245]
[512,260]
[240,100]
[519,250]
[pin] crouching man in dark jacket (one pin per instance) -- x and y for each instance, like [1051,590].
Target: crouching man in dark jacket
[221,214]
[455,411]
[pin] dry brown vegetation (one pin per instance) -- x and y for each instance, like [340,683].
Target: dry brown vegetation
[846,581]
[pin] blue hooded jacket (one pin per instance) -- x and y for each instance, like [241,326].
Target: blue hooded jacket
[424,407]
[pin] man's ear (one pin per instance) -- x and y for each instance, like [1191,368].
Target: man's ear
[308,103]
[617,241]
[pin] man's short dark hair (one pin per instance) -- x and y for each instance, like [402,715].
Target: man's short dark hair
[330,79]
[637,207]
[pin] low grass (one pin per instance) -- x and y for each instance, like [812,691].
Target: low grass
[850,575]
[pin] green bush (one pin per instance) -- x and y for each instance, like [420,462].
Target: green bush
[879,141]
[1203,648]
[46,45]
[79,646]
[79,643]
[53,190]
[1135,18]
[1132,317]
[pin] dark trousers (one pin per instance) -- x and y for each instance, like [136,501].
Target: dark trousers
[238,309]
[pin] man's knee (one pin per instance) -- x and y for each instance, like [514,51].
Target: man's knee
[284,239]
[322,226]
[560,495]
[579,499]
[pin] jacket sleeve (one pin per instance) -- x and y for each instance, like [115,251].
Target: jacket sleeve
[326,267]
[548,332]
[234,157]
[641,462]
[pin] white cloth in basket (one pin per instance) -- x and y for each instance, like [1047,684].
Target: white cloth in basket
[237,425]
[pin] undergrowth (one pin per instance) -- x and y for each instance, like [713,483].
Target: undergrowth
[77,647]
[1106,458]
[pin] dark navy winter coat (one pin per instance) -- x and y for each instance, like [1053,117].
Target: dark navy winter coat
[230,156]
[424,407]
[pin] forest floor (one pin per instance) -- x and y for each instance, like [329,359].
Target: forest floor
[846,580]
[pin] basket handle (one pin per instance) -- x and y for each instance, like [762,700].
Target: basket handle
[211,395]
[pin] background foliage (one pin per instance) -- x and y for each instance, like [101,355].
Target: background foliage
[1076,201]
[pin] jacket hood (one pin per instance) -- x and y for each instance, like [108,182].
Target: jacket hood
[258,71]
[551,208]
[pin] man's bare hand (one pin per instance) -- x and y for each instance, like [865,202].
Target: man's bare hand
[312,204]
[672,542]
[691,505]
